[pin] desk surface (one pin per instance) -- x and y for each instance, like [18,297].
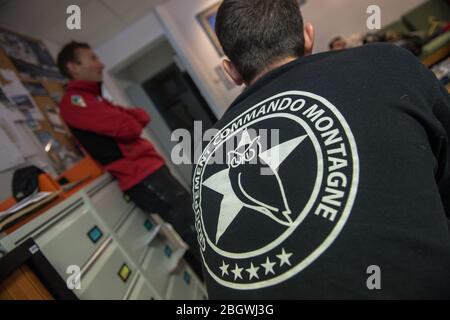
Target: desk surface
[48,206]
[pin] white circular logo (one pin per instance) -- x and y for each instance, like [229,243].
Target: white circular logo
[273,190]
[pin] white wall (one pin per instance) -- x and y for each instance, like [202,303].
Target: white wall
[125,47]
[52,47]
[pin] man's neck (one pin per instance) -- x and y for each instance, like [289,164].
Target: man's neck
[271,67]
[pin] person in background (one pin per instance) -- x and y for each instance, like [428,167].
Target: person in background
[111,134]
[352,200]
[337,43]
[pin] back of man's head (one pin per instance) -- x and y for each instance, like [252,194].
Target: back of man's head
[257,33]
[69,54]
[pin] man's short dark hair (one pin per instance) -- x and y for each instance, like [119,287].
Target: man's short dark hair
[331,44]
[69,54]
[257,33]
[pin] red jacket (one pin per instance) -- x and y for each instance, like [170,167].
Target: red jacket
[110,134]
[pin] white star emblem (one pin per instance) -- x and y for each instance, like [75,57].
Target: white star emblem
[224,268]
[268,266]
[220,182]
[284,258]
[253,271]
[237,272]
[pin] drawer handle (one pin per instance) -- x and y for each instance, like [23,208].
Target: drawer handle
[168,251]
[148,225]
[124,272]
[187,277]
[95,234]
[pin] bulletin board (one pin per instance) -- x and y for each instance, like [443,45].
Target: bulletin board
[27,60]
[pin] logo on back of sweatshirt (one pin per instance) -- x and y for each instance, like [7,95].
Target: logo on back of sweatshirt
[266,213]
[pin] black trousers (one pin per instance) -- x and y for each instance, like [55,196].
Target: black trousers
[161,193]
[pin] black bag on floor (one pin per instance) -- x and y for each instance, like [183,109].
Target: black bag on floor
[25,182]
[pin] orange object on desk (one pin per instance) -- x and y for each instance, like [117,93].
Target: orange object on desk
[86,167]
[8,203]
[47,184]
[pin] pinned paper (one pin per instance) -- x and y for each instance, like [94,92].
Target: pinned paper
[11,156]
[20,97]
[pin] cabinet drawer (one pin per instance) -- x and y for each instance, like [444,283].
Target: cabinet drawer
[136,233]
[109,276]
[156,266]
[72,240]
[142,291]
[182,285]
[110,204]
[201,292]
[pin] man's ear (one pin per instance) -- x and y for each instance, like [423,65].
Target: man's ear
[308,33]
[231,70]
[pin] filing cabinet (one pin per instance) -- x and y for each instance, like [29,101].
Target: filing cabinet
[79,232]
[141,291]
[136,233]
[155,265]
[121,251]
[201,293]
[110,203]
[109,277]
[182,285]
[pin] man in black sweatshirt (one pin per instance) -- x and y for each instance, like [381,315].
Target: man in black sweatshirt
[329,175]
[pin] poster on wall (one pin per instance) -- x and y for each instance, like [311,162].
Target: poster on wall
[4,99]
[13,124]
[11,155]
[21,99]
[55,120]
[35,88]
[17,47]
[30,57]
[25,104]
[207,19]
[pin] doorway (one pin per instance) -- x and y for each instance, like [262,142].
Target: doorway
[156,81]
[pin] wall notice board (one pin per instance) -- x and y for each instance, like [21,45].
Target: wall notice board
[31,85]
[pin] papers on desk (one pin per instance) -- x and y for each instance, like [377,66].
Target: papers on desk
[26,207]
[28,201]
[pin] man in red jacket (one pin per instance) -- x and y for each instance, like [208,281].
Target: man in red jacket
[112,135]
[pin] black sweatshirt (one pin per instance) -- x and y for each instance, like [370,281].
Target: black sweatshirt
[330,178]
